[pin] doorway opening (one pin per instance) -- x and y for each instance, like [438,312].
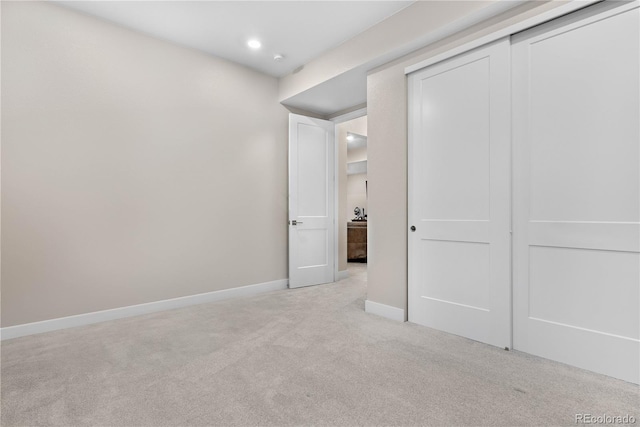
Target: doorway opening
[351,140]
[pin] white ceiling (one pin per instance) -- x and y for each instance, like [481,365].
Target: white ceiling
[299,30]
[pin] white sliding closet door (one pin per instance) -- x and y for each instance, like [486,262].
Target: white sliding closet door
[576,190]
[459,186]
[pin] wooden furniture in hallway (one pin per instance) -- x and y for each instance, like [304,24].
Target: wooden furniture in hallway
[357,241]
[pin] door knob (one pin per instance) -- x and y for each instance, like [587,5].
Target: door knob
[413,228]
[294,222]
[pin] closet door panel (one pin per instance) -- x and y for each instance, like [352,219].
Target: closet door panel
[577,190]
[459,189]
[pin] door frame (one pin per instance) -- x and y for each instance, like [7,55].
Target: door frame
[360,112]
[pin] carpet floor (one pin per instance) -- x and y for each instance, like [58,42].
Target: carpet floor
[308,356]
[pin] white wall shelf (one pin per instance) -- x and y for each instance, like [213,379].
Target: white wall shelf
[354,168]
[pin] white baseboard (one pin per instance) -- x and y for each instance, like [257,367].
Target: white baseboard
[342,275]
[384,310]
[136,310]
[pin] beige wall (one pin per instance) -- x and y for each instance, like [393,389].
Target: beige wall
[387,159]
[133,170]
[387,175]
[357,154]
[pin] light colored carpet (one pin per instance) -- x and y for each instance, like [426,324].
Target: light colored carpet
[308,356]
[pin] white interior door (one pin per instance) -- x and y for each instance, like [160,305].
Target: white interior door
[311,201]
[576,190]
[459,196]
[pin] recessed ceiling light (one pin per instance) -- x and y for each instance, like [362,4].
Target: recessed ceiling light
[254,44]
